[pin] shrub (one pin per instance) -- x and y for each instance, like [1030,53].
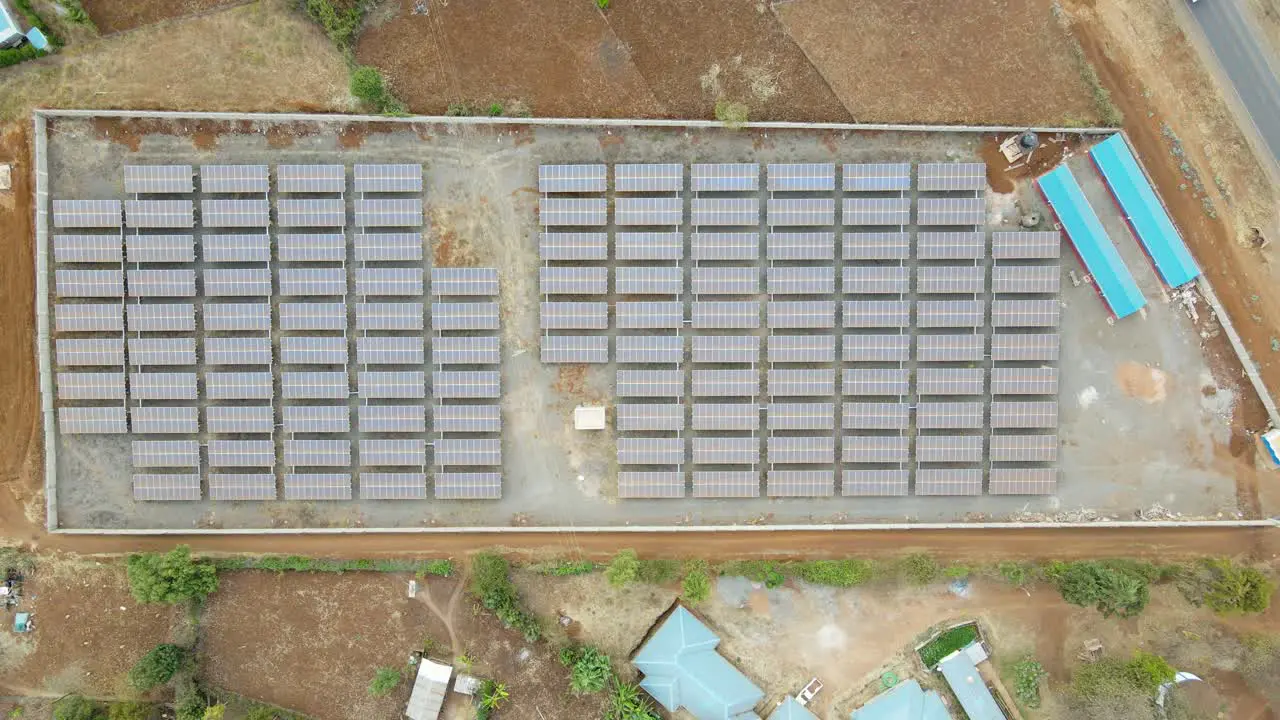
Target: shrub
[340,26]
[1028,673]
[657,572]
[732,114]
[565,568]
[369,87]
[590,671]
[1148,671]
[1016,574]
[920,569]
[946,643]
[696,585]
[623,569]
[156,667]
[491,585]
[494,109]
[1143,674]
[459,109]
[75,707]
[189,703]
[264,712]
[384,681]
[628,703]
[492,695]
[75,13]
[215,712]
[170,578]
[957,572]
[1236,589]
[761,571]
[1112,590]
[835,573]
[602,4]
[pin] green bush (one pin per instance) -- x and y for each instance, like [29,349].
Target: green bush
[129,710]
[157,667]
[369,87]
[173,577]
[1028,673]
[761,571]
[1111,588]
[491,697]
[22,53]
[1236,589]
[340,25]
[657,572]
[491,585]
[602,4]
[1144,673]
[623,569]
[590,671]
[385,679]
[75,12]
[1016,574]
[835,573]
[75,707]
[696,586]
[215,712]
[189,703]
[946,643]
[920,569]
[957,572]
[628,703]
[564,568]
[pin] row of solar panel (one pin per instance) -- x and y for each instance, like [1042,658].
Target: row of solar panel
[329,452]
[854,449]
[260,419]
[814,382]
[318,486]
[180,179]
[450,384]
[256,248]
[290,212]
[703,212]
[745,246]
[371,350]
[251,317]
[821,483]
[930,415]
[745,177]
[240,282]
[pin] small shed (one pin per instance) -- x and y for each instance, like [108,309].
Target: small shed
[428,691]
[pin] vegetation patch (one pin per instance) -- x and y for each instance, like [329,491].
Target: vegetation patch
[1114,587]
[564,568]
[696,586]
[1028,675]
[589,669]
[171,577]
[834,573]
[947,642]
[385,679]
[491,585]
[370,88]
[1227,588]
[298,563]
[157,667]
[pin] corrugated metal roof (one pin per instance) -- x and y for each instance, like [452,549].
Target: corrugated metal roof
[969,687]
[429,689]
[908,701]
[683,669]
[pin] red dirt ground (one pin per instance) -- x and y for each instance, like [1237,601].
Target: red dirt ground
[113,16]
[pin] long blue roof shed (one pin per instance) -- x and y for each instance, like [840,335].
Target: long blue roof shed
[682,669]
[907,701]
[969,687]
[1096,250]
[1146,213]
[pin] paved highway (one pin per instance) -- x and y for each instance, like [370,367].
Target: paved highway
[1244,57]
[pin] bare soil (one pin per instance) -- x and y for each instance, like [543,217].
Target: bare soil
[112,16]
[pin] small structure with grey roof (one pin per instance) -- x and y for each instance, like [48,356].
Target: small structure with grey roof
[428,691]
[907,701]
[969,687]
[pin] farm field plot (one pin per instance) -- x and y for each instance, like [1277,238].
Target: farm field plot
[112,16]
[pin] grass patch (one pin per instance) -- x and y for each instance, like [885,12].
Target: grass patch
[1110,115]
[298,563]
[833,573]
[733,114]
[946,643]
[564,568]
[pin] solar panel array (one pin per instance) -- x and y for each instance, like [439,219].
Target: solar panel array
[744,303]
[322,369]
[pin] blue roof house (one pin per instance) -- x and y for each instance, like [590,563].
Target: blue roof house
[969,687]
[907,701]
[10,33]
[683,670]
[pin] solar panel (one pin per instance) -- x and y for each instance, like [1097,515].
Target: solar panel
[311,247]
[949,415]
[317,453]
[311,178]
[724,177]
[725,245]
[876,177]
[663,349]
[237,282]
[875,381]
[801,246]
[726,450]
[161,283]
[726,349]
[726,383]
[406,178]
[875,448]
[1025,313]
[800,483]
[726,212]
[237,385]
[961,279]
[875,246]
[163,386]
[1023,481]
[234,179]
[465,351]
[802,382]
[573,246]
[398,452]
[87,249]
[239,419]
[648,177]
[949,448]
[235,213]
[950,313]
[875,211]
[950,348]
[389,212]
[726,416]
[799,314]
[573,280]
[407,384]
[393,486]
[311,212]
[946,177]
[725,314]
[1026,245]
[1024,448]
[802,349]
[239,350]
[667,280]
[1024,414]
[317,486]
[801,280]
[801,177]
[88,318]
[801,416]
[380,350]
[216,248]
[469,316]
[159,213]
[1007,347]
[650,417]
[876,313]
[727,280]
[648,245]
[950,381]
[388,246]
[237,317]
[90,386]
[1042,279]
[876,280]
[89,351]
[726,484]
[160,248]
[317,419]
[154,179]
[393,281]
[875,483]
[468,451]
[465,384]
[574,316]
[392,418]
[242,453]
[876,348]
[572,178]
[469,281]
[581,212]
[89,283]
[874,416]
[162,351]
[163,317]
[649,383]
[801,212]
[650,451]
[86,214]
[296,282]
[1024,381]
[466,418]
[648,210]
[949,481]
[575,349]
[165,453]
[468,486]
[315,386]
[325,350]
[93,420]
[242,486]
[399,316]
[951,211]
[148,487]
[950,246]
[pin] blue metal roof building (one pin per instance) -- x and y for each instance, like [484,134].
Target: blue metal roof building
[1091,242]
[907,701]
[1146,214]
[969,687]
[682,669]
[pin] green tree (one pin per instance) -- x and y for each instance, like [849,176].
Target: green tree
[384,681]
[129,710]
[491,585]
[157,667]
[75,707]
[1237,589]
[623,568]
[590,671]
[696,585]
[172,577]
[1110,589]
